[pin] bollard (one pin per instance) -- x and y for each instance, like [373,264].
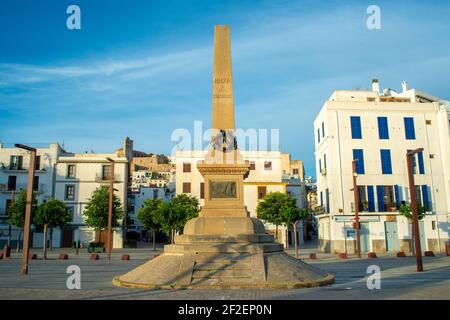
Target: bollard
[372,255]
[94,256]
[313,256]
[429,254]
[1,255]
[125,257]
[6,252]
[401,254]
[343,255]
[447,249]
[32,256]
[63,256]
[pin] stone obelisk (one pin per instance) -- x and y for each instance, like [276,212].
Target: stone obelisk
[224,247]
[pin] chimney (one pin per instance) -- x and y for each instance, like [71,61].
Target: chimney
[375,86]
[405,86]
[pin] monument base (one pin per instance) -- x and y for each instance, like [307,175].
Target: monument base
[224,262]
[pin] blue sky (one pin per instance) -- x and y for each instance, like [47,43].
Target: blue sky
[144,68]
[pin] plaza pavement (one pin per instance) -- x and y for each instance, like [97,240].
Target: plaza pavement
[47,279]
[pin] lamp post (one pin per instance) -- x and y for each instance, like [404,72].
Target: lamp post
[412,193]
[356,207]
[110,209]
[26,227]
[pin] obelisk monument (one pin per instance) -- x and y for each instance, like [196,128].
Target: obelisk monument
[224,247]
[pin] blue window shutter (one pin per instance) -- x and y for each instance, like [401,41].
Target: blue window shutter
[380,199]
[410,133]
[355,123]
[397,196]
[421,166]
[318,135]
[323,130]
[327,198]
[370,199]
[426,198]
[386,163]
[325,161]
[383,130]
[359,154]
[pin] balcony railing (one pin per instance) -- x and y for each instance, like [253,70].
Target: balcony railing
[41,188]
[105,179]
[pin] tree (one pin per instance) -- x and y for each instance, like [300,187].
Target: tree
[16,213]
[292,216]
[405,210]
[148,214]
[272,206]
[52,213]
[96,211]
[172,216]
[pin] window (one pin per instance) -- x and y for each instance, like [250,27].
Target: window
[421,165]
[362,199]
[267,165]
[294,171]
[359,154]
[323,130]
[186,187]
[155,194]
[385,196]
[426,198]
[327,198]
[383,130]
[186,167]
[252,165]
[12,182]
[202,190]
[36,183]
[70,210]
[321,198]
[410,133]
[419,196]
[320,165]
[318,135]
[70,171]
[355,123]
[325,161]
[106,169]
[262,190]
[16,163]
[37,164]
[428,122]
[386,164]
[70,192]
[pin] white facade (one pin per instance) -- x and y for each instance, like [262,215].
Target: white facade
[77,177]
[265,176]
[383,183]
[14,164]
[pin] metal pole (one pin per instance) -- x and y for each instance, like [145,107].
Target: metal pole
[26,228]
[415,224]
[356,206]
[110,209]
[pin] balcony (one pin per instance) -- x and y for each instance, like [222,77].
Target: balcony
[17,169]
[41,188]
[105,179]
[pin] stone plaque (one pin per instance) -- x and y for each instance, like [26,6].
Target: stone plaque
[223,189]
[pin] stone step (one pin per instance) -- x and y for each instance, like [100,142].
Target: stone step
[222,266]
[213,274]
[230,282]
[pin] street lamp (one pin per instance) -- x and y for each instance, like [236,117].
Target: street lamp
[110,209]
[412,193]
[356,207]
[26,227]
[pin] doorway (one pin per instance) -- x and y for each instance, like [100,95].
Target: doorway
[391,231]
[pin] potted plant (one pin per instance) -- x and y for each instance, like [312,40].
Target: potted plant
[365,205]
[393,207]
[97,247]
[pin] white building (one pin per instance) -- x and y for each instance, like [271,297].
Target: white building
[266,175]
[14,164]
[77,177]
[378,129]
